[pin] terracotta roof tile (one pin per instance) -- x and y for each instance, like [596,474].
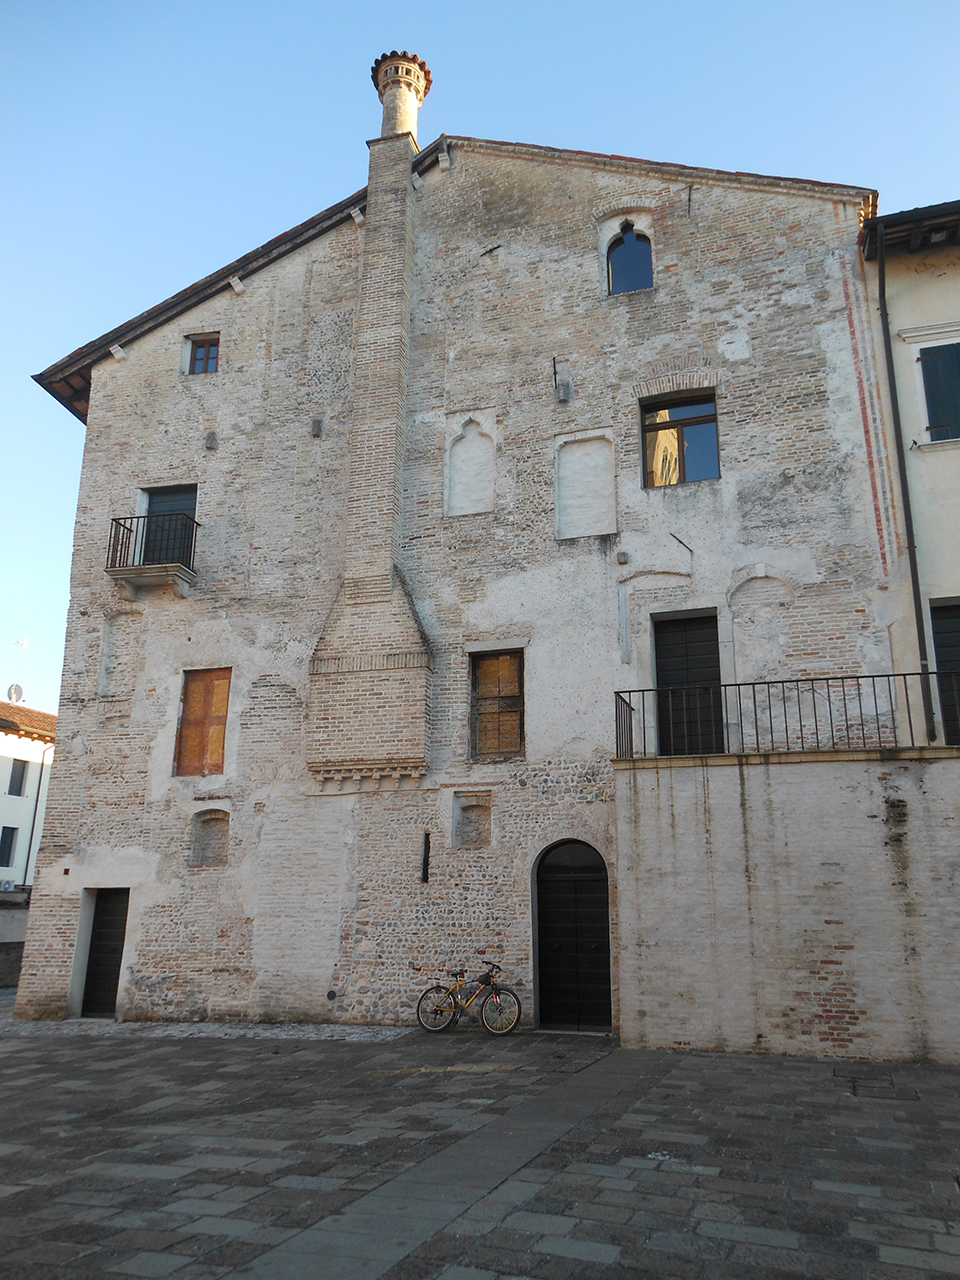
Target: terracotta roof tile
[25,722]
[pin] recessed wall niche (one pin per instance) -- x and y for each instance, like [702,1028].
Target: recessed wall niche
[586,487]
[470,480]
[471,819]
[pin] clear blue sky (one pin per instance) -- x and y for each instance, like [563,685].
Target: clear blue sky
[148,143]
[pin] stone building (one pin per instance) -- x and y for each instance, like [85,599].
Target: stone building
[459,545]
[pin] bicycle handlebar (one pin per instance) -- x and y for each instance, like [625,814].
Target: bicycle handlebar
[461,973]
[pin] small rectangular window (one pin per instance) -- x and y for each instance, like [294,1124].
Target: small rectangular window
[203,722]
[205,354]
[941,384]
[18,774]
[496,705]
[680,441]
[8,841]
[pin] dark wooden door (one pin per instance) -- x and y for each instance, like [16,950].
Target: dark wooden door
[689,707]
[946,645]
[170,525]
[106,951]
[573,939]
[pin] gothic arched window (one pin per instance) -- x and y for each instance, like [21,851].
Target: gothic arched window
[629,262]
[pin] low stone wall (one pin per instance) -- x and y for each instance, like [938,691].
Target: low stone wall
[13,931]
[792,904]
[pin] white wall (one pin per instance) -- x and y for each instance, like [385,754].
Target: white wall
[18,811]
[923,293]
[803,907]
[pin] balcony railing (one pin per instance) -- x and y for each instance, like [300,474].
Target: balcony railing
[829,713]
[152,540]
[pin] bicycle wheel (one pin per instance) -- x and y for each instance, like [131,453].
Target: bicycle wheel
[500,1012]
[436,1009]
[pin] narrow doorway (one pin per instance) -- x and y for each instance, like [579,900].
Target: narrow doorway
[945,619]
[171,525]
[689,698]
[106,951]
[573,939]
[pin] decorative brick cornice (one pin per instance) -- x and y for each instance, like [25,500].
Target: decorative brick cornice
[370,662]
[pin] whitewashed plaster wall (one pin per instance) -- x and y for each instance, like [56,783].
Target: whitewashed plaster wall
[802,907]
[18,811]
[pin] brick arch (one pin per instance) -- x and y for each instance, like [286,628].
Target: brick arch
[663,379]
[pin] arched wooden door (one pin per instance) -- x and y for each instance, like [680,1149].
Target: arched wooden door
[573,938]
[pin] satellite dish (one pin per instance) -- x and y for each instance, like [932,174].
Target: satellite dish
[14,693]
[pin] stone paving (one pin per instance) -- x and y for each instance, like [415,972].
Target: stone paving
[281,1152]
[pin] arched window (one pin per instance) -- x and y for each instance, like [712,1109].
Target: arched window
[629,262]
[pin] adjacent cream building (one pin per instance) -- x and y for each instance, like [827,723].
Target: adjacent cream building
[26,754]
[469,570]
[913,275]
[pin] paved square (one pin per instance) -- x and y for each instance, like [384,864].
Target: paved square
[311,1152]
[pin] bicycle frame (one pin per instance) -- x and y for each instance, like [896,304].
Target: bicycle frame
[481,985]
[484,982]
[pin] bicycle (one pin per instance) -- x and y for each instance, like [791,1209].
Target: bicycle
[441,1007]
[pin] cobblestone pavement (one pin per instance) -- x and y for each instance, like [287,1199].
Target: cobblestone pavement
[282,1153]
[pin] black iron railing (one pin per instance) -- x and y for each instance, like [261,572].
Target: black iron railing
[828,713]
[140,540]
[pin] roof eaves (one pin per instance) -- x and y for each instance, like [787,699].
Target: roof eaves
[78,363]
[932,226]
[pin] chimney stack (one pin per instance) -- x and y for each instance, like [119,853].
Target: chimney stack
[403,81]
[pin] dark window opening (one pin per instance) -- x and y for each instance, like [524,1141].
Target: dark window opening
[680,441]
[8,840]
[941,383]
[496,705]
[629,262]
[689,697]
[203,722]
[204,354]
[18,775]
[945,621]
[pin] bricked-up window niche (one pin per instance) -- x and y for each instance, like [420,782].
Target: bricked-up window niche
[203,722]
[629,261]
[496,705]
[205,353]
[679,439]
[210,840]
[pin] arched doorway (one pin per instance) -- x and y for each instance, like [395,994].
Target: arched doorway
[573,938]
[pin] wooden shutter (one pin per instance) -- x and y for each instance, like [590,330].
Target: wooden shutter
[498,704]
[203,721]
[941,382]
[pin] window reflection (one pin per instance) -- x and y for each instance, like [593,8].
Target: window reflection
[686,449]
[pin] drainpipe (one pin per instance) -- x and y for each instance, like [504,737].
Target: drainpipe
[36,807]
[904,487]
